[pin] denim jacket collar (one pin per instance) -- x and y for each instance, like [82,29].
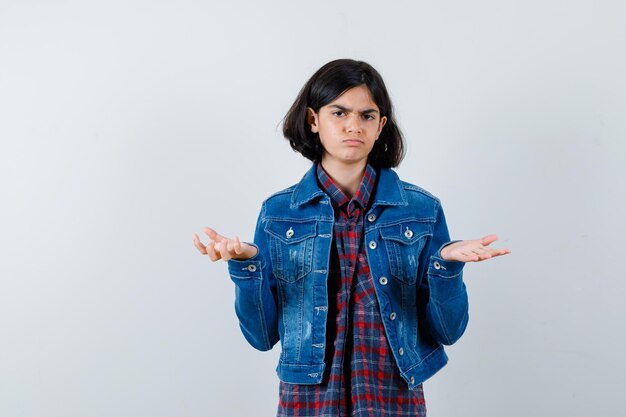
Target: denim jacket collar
[389,191]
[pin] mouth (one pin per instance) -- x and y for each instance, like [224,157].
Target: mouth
[353,141]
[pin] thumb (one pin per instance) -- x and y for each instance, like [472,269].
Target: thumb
[489,239]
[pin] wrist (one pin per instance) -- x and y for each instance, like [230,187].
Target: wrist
[445,252]
[249,252]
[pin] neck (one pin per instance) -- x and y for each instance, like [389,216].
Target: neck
[346,176]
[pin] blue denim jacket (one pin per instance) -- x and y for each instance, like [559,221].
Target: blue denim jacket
[281,293]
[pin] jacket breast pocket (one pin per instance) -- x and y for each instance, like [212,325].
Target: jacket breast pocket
[291,248]
[404,243]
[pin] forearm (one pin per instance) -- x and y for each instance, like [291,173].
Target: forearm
[255,303]
[447,310]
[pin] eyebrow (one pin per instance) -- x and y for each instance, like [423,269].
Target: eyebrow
[349,110]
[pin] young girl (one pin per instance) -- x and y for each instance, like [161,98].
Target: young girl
[351,269]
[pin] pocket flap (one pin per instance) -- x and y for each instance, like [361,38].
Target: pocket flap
[406,233]
[290,231]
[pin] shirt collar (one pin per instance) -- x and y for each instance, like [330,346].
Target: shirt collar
[389,189]
[339,198]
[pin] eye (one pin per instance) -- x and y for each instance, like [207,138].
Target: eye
[338,113]
[368,117]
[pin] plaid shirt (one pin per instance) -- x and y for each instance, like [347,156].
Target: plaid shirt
[361,378]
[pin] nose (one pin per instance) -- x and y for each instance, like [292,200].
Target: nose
[353,124]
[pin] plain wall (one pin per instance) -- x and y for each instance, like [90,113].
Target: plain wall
[126,126]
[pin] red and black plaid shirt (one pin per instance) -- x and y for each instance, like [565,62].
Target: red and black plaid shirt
[361,378]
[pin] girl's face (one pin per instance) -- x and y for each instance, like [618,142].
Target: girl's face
[348,127]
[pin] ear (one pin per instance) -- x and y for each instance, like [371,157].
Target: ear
[312,120]
[381,124]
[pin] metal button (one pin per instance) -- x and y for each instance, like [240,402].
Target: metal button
[289,233]
[437,265]
[372,245]
[251,267]
[383,280]
[401,351]
[408,233]
[412,380]
[371,217]
[392,316]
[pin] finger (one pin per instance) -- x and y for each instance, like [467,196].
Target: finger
[210,250]
[222,248]
[212,234]
[219,247]
[500,252]
[493,253]
[198,244]
[230,247]
[489,239]
[484,256]
[237,246]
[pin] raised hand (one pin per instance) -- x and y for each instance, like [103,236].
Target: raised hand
[220,247]
[472,250]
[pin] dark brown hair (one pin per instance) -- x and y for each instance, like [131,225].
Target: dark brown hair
[328,83]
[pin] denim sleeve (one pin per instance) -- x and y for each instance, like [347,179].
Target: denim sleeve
[255,293]
[442,296]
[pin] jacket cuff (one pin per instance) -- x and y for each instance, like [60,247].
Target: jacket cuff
[444,269]
[445,277]
[246,268]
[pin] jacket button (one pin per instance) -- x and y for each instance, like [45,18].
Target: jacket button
[392,316]
[437,265]
[412,380]
[401,351]
[251,268]
[383,280]
[371,217]
[289,233]
[372,245]
[408,233]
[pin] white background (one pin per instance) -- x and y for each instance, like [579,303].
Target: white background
[126,126]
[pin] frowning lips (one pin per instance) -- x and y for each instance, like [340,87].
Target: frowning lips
[354,141]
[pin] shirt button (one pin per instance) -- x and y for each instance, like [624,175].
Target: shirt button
[371,217]
[408,233]
[412,380]
[392,316]
[289,233]
[437,265]
[251,267]
[383,280]
[401,351]
[372,245]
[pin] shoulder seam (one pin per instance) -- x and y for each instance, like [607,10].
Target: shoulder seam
[281,192]
[413,187]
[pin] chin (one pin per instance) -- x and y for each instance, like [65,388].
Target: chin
[354,160]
